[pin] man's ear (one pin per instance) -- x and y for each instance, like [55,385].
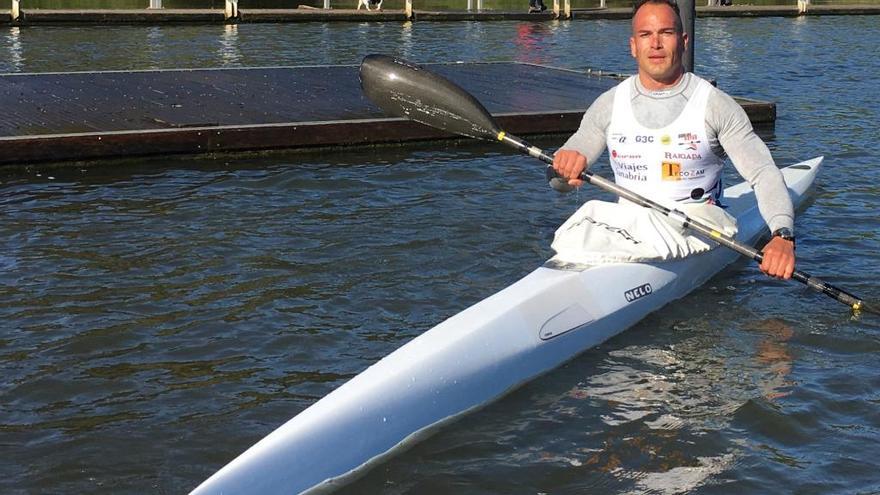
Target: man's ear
[632,46]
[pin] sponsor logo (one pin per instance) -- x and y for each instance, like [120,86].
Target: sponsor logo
[693,174]
[644,139]
[625,156]
[670,170]
[625,175]
[638,292]
[673,171]
[682,156]
[632,167]
[688,140]
[620,138]
[665,140]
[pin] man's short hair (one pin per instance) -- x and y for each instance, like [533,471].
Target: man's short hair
[671,3]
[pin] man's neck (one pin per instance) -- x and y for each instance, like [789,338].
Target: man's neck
[651,84]
[662,90]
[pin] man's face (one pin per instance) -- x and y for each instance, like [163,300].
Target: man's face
[657,45]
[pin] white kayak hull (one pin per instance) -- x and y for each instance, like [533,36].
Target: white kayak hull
[474,358]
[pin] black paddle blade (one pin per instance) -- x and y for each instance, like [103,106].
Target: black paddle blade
[869,308]
[404,89]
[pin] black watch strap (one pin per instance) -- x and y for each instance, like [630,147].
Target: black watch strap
[785,233]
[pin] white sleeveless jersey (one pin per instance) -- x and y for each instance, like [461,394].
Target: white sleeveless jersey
[673,162]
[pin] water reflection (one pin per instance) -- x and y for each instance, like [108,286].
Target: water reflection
[531,42]
[475,34]
[406,40]
[649,410]
[720,49]
[14,47]
[773,356]
[154,51]
[229,52]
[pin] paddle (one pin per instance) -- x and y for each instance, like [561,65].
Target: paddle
[407,90]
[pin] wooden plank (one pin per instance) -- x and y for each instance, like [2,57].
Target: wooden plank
[119,16]
[89,115]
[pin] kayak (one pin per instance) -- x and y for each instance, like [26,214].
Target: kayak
[477,356]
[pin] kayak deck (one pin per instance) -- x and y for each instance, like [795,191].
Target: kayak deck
[476,357]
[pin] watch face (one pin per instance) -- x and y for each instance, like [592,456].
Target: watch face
[784,233]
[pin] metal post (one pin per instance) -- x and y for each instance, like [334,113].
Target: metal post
[802,6]
[470,5]
[556,9]
[688,15]
[231,10]
[327,4]
[16,10]
[407,10]
[155,4]
[602,4]
[567,10]
[479,5]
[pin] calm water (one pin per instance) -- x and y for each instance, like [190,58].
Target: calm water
[161,316]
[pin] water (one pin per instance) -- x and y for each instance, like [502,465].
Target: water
[349,4]
[160,316]
[343,4]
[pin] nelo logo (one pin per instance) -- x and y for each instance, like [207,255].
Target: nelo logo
[638,292]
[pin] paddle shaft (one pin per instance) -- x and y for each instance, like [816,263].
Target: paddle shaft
[810,281]
[404,89]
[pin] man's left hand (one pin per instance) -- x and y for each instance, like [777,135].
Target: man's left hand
[778,258]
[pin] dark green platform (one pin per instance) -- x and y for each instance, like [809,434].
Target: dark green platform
[90,115]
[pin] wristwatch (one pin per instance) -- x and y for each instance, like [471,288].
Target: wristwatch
[786,234]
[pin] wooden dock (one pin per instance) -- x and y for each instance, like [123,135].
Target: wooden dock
[56,117]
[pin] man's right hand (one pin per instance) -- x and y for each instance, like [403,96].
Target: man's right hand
[569,164]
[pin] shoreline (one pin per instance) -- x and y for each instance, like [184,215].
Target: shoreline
[217,16]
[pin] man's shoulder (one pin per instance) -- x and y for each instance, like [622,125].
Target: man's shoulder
[606,99]
[628,82]
[608,96]
[613,89]
[715,92]
[723,112]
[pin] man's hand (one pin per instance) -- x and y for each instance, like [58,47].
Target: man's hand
[569,164]
[778,258]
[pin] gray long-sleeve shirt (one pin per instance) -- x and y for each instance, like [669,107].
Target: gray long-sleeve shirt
[727,125]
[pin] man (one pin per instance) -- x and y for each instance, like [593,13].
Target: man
[536,6]
[668,131]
